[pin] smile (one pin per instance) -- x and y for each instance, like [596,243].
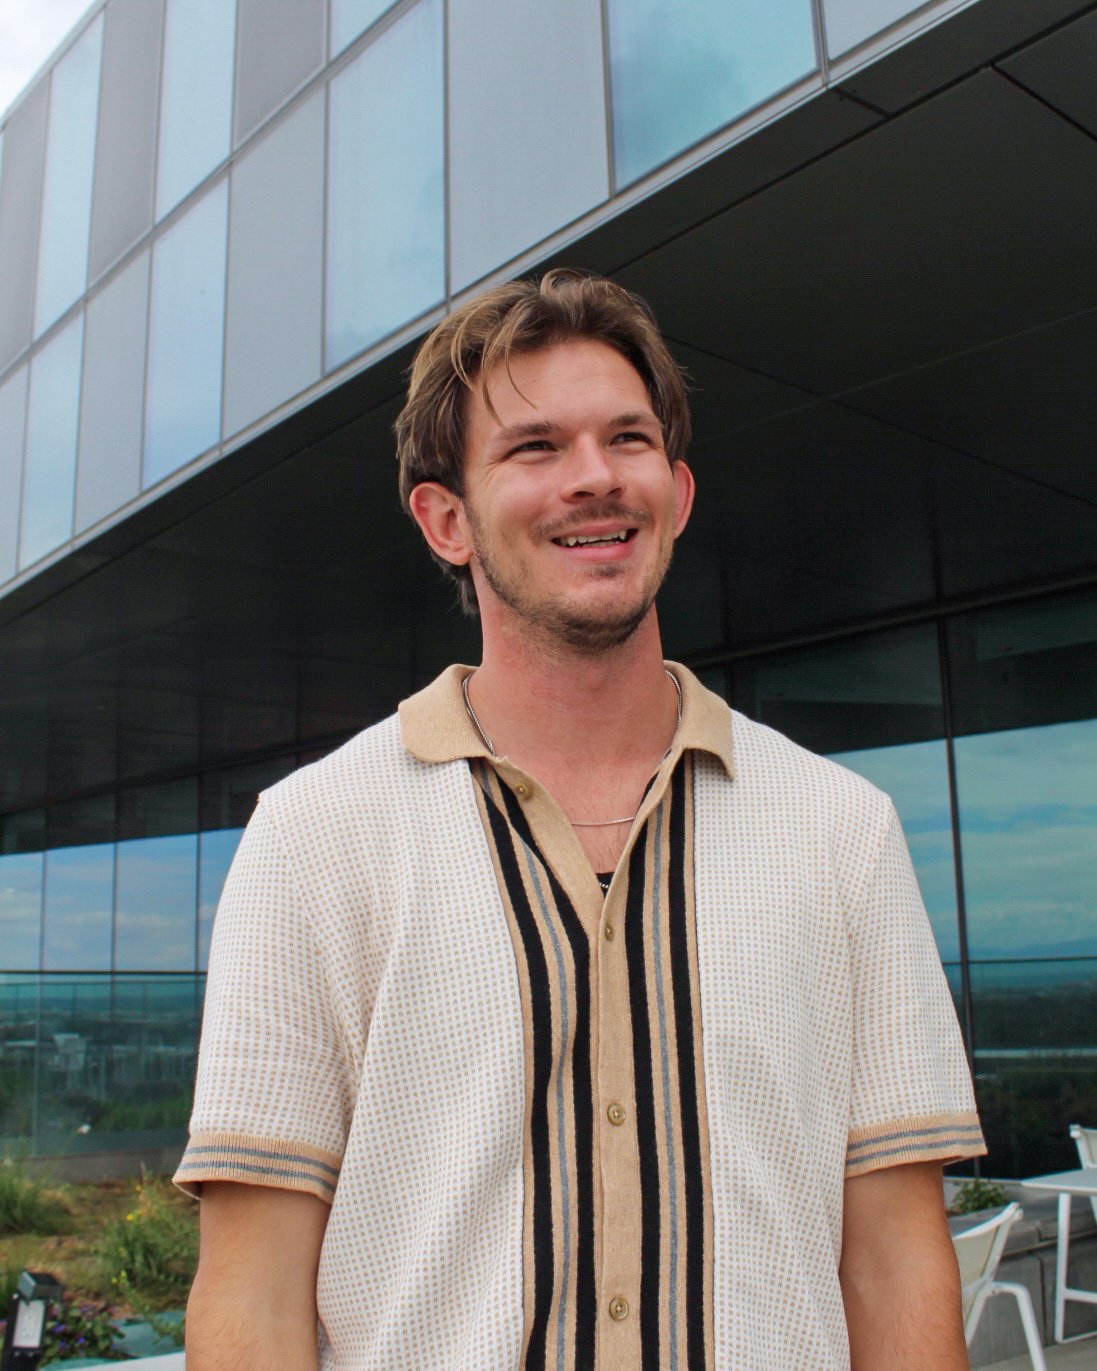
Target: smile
[580,540]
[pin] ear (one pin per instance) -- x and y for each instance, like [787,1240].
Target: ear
[684,489]
[440,516]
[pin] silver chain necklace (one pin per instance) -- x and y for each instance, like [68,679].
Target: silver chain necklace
[575,823]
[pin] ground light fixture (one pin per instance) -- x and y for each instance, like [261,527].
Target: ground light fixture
[35,1291]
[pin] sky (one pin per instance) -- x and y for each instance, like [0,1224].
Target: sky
[30,30]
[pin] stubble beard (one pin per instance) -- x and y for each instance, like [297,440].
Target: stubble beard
[589,633]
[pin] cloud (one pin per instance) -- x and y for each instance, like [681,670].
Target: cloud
[30,31]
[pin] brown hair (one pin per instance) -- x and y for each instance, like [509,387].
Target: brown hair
[517,317]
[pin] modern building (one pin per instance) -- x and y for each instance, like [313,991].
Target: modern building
[869,228]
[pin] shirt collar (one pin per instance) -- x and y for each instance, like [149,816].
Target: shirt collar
[435,726]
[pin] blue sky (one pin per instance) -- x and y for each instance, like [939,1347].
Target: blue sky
[30,30]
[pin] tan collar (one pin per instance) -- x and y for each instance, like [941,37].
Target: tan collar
[435,726]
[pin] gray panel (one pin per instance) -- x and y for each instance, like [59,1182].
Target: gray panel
[516,179]
[850,22]
[1060,69]
[109,463]
[276,268]
[20,190]
[126,147]
[13,418]
[278,44]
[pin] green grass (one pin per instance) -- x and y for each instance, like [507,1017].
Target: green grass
[26,1206]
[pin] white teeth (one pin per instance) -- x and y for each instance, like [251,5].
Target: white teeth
[603,538]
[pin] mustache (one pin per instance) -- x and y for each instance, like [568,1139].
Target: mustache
[595,512]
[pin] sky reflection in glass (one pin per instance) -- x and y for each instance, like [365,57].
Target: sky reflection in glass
[79,908]
[70,167]
[349,18]
[386,231]
[679,72]
[1028,823]
[916,778]
[53,412]
[156,900]
[215,854]
[196,95]
[20,910]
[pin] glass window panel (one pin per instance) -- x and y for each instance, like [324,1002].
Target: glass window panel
[196,95]
[19,1008]
[156,904]
[20,193]
[229,796]
[23,832]
[158,811]
[187,309]
[678,72]
[20,910]
[849,22]
[349,18]
[279,44]
[49,473]
[79,908]
[386,242]
[13,415]
[1035,1061]
[916,777]
[1028,822]
[154,1033]
[82,821]
[70,166]
[215,853]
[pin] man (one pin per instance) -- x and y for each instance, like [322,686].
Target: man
[567,1020]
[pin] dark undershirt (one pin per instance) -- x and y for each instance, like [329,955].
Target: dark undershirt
[604,878]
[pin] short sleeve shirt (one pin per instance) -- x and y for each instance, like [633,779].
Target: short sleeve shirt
[557,1126]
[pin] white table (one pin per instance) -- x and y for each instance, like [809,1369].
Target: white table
[1067,1184]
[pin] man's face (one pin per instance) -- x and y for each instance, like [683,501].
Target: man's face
[571,507]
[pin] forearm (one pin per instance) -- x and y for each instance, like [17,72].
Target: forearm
[904,1314]
[236,1329]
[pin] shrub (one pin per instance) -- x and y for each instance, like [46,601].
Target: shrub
[152,1250]
[79,1330]
[25,1205]
[974,1196]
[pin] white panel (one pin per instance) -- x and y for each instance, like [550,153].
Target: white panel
[13,418]
[276,268]
[527,130]
[109,462]
[850,22]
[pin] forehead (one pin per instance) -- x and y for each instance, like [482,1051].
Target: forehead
[582,378]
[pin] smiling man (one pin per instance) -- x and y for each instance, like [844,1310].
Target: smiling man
[568,1019]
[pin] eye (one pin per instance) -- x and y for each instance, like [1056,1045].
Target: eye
[628,437]
[531,445]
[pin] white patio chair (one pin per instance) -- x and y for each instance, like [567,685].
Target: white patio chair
[1085,1139]
[978,1251]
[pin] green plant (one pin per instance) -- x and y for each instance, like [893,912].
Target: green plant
[152,1250]
[9,1277]
[79,1330]
[974,1196]
[172,1326]
[25,1204]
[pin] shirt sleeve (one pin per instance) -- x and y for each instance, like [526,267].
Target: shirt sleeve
[274,1095]
[912,1098]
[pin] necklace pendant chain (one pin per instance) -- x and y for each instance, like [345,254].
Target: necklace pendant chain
[575,823]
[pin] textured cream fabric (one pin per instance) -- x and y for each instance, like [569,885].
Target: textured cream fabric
[363,1036]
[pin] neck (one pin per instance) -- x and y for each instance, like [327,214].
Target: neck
[540,700]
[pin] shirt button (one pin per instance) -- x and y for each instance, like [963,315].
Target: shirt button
[611,933]
[618,1308]
[616,1113]
[522,790]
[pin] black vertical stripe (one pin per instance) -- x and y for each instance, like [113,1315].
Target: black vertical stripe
[586,1289]
[541,1012]
[635,940]
[687,1077]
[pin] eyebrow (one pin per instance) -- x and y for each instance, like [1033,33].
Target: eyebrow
[541,428]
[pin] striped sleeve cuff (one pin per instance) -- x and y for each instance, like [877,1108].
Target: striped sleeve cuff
[928,1138]
[257,1161]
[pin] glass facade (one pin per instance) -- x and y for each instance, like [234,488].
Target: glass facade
[49,468]
[386,189]
[679,72]
[349,18]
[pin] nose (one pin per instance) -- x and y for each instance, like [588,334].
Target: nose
[590,472]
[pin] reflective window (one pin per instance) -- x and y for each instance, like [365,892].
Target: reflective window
[849,22]
[215,853]
[386,241]
[13,415]
[79,908]
[20,910]
[349,18]
[49,474]
[678,72]
[196,95]
[183,409]
[156,903]
[70,165]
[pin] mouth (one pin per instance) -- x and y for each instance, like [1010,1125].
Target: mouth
[623,535]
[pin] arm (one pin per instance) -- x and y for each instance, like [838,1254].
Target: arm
[900,1282]
[253,1303]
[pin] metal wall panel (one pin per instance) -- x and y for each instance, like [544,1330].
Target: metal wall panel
[278,44]
[125,156]
[13,418]
[20,192]
[108,471]
[527,125]
[850,22]
[276,281]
